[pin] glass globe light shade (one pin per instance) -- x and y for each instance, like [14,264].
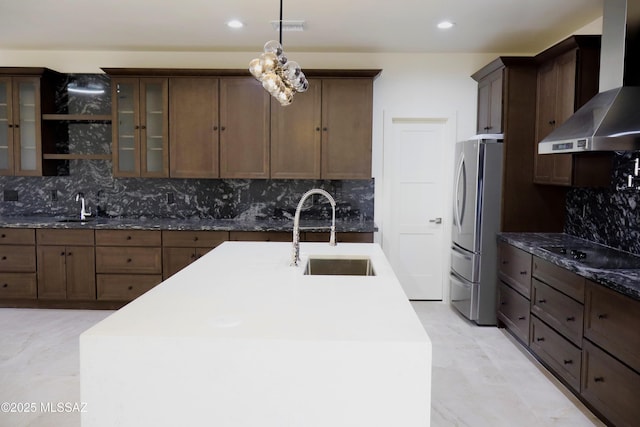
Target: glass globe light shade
[270,82]
[268,62]
[303,87]
[299,82]
[285,97]
[279,87]
[286,102]
[255,68]
[274,47]
[282,60]
[291,70]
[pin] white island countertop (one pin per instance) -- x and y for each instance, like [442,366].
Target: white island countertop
[241,338]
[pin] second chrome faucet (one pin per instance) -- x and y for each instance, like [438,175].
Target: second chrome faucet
[83,213]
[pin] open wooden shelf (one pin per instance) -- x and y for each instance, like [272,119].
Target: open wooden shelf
[52,156]
[78,117]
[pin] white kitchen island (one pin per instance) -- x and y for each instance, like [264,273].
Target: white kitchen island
[240,338]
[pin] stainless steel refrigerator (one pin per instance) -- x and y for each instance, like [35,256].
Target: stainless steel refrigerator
[476,222]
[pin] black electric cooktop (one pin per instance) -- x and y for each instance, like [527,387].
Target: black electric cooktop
[596,256]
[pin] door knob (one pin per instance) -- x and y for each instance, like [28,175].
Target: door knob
[436,220]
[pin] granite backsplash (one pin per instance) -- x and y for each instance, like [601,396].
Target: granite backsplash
[610,216]
[192,198]
[159,198]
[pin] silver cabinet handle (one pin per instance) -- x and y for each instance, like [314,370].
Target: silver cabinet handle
[436,220]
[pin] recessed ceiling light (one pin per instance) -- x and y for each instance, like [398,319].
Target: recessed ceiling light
[445,25]
[234,23]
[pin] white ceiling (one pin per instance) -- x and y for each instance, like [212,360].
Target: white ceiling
[484,26]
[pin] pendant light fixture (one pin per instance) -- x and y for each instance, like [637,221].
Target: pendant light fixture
[280,77]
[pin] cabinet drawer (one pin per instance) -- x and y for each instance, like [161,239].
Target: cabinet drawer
[47,236]
[194,239]
[559,354]
[261,236]
[124,287]
[18,259]
[17,236]
[562,313]
[513,311]
[560,278]
[349,237]
[18,285]
[128,260]
[515,268]
[128,238]
[612,321]
[610,386]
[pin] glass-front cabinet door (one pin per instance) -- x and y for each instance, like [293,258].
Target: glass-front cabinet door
[140,127]
[154,129]
[20,134]
[26,126]
[6,128]
[126,125]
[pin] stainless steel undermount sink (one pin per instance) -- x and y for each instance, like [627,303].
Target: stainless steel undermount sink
[339,266]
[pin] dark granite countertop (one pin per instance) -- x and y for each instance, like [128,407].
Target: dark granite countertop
[625,281]
[184,224]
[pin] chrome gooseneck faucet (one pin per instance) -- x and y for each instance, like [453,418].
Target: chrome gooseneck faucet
[83,213]
[295,257]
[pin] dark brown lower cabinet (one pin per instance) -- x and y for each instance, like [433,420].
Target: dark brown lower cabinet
[128,263]
[175,259]
[125,287]
[610,386]
[260,236]
[66,273]
[181,248]
[18,286]
[586,334]
[18,270]
[66,264]
[104,268]
[559,311]
[348,237]
[515,268]
[131,260]
[17,264]
[612,321]
[513,312]
[307,236]
[556,352]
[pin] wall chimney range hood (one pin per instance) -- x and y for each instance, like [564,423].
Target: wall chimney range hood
[610,121]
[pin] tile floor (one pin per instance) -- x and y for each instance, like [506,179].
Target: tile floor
[480,377]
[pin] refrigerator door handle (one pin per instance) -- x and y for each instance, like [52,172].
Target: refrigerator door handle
[459,174]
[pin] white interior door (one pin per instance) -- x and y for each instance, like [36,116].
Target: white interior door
[418,186]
